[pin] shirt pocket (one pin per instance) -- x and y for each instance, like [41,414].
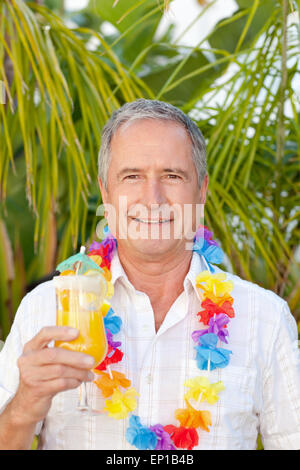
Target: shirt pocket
[233,415]
[236,406]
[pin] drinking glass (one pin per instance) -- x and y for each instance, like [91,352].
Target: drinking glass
[78,304]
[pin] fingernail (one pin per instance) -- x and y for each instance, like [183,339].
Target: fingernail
[72,331]
[89,361]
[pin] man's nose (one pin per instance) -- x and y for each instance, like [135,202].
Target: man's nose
[154,192]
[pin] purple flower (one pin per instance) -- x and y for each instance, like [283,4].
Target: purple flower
[203,232]
[94,246]
[216,326]
[110,244]
[164,441]
[110,341]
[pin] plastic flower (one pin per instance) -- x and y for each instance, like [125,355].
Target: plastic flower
[96,258]
[214,283]
[107,273]
[164,441]
[105,308]
[183,438]
[191,418]
[113,356]
[208,355]
[211,308]
[107,384]
[105,249]
[201,388]
[110,340]
[211,252]
[121,404]
[217,326]
[112,322]
[140,436]
[204,232]
[94,246]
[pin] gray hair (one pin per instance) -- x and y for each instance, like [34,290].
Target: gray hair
[151,109]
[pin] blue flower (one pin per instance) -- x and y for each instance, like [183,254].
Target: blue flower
[211,252]
[140,436]
[208,355]
[112,322]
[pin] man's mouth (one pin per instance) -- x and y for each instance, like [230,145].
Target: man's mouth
[152,221]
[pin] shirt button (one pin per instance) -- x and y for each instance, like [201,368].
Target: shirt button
[149,379]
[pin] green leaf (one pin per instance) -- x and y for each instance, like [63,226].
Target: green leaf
[140,18]
[190,86]
[228,33]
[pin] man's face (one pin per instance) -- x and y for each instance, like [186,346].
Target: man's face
[153,187]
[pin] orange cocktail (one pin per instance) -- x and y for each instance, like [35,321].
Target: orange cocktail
[79,300]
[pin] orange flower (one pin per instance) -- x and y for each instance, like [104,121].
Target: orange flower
[107,273]
[191,418]
[107,384]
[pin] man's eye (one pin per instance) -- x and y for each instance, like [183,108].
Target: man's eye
[173,176]
[131,177]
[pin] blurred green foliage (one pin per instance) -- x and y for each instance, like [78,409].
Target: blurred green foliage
[237,84]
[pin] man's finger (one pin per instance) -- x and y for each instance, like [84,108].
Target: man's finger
[51,333]
[55,371]
[63,356]
[62,384]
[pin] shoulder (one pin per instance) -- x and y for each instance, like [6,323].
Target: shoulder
[266,304]
[43,290]
[36,310]
[263,319]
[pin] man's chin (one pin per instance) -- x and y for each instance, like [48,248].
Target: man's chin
[154,248]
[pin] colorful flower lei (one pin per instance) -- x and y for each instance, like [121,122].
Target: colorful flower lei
[216,313]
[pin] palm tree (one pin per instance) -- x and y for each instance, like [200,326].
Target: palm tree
[63,83]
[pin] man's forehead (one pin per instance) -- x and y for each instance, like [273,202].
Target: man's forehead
[152,128]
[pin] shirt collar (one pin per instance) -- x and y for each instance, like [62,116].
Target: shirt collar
[198,264]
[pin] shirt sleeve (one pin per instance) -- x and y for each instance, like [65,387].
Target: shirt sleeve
[280,416]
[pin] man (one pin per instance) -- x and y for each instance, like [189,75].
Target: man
[153,155]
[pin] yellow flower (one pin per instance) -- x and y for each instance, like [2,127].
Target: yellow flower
[200,387]
[121,404]
[96,258]
[104,308]
[215,283]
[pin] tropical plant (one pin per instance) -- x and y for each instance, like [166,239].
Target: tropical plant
[61,85]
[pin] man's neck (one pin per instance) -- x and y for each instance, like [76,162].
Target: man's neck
[161,279]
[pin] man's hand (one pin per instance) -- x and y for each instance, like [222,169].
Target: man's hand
[45,371]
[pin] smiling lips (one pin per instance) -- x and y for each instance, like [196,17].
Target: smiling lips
[145,221]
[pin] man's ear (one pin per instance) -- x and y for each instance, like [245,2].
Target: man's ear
[203,189]
[104,195]
[103,191]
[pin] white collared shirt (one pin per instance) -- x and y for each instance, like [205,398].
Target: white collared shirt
[262,380]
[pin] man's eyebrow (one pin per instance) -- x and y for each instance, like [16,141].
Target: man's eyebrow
[128,170]
[179,171]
